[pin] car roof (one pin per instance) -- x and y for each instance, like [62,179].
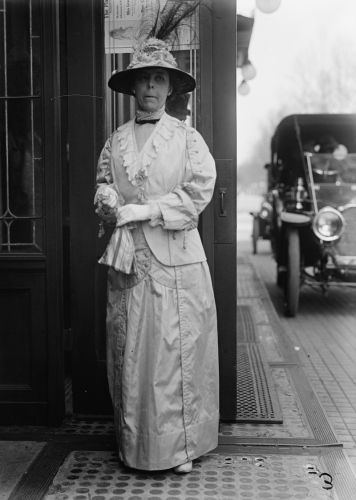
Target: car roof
[297,129]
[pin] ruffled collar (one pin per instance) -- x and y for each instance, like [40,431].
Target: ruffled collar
[145,115]
[137,163]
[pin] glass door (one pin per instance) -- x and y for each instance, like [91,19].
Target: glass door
[122,21]
[31,385]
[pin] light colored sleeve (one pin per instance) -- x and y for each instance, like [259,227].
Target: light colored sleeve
[104,176]
[103,171]
[180,209]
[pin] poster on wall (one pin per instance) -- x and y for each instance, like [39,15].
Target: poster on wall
[122,20]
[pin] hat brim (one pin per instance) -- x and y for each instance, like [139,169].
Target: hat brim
[122,81]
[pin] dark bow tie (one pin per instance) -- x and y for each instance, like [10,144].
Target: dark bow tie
[142,122]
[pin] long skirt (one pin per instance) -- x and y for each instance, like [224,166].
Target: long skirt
[162,360]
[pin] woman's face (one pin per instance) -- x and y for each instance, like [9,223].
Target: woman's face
[151,88]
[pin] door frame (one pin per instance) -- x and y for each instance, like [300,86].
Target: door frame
[54,159]
[86,126]
[218,87]
[32,282]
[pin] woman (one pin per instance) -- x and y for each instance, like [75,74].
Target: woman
[161,319]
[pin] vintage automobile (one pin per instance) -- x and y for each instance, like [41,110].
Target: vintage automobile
[313,182]
[261,221]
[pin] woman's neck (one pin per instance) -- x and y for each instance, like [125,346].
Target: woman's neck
[149,115]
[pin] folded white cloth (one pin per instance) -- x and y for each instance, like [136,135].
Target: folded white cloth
[120,252]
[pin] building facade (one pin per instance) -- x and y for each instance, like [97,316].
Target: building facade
[56,112]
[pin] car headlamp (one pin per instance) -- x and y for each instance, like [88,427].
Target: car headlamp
[328,224]
[265,211]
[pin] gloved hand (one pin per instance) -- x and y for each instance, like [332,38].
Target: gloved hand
[106,213]
[106,200]
[132,212]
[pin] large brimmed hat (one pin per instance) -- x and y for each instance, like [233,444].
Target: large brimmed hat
[151,53]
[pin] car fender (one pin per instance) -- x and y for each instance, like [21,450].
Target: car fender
[295,219]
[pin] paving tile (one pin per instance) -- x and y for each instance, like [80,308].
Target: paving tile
[98,475]
[275,475]
[328,357]
[15,459]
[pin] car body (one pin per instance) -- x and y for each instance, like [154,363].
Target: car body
[261,222]
[313,183]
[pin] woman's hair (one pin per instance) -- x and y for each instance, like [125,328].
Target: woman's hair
[177,106]
[174,83]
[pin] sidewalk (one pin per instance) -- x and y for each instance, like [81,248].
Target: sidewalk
[300,458]
[324,337]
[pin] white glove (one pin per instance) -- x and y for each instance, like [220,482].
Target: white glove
[106,200]
[132,212]
[106,195]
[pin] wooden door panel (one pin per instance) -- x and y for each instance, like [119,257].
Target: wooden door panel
[23,347]
[31,381]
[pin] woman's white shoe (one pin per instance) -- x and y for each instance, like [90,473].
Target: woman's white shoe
[183,468]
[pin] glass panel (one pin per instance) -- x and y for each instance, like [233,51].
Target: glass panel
[120,26]
[3,176]
[35,17]
[38,173]
[184,107]
[36,67]
[21,231]
[21,174]
[21,165]
[2,66]
[18,48]
[21,235]
[4,236]
[37,129]
[119,107]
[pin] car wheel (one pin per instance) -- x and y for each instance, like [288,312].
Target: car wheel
[292,287]
[255,234]
[281,277]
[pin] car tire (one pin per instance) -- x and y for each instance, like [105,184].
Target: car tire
[292,286]
[255,234]
[281,277]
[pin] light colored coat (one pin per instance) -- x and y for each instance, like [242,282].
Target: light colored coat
[180,179]
[162,351]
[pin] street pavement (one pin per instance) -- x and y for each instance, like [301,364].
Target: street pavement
[310,454]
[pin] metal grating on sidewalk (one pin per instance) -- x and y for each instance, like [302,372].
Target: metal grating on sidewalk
[245,327]
[256,400]
[97,475]
[256,396]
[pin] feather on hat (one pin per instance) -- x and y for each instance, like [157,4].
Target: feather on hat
[152,51]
